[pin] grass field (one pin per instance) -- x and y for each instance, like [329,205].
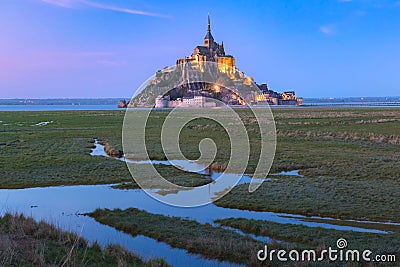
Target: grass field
[348,158]
[58,153]
[344,198]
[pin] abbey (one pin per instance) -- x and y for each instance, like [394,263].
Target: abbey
[191,90]
[211,51]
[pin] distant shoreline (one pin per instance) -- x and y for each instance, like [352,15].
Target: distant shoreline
[27,108]
[60,104]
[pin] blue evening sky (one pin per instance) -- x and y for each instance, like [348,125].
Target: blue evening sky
[107,48]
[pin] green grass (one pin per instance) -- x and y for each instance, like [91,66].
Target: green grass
[351,198]
[58,153]
[355,143]
[24,242]
[224,244]
[209,241]
[349,157]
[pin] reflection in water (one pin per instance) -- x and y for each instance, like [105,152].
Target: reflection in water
[67,202]
[289,173]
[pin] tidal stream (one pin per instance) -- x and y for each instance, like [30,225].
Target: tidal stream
[62,206]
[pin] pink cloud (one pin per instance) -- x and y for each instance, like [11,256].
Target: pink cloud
[78,3]
[61,3]
[124,10]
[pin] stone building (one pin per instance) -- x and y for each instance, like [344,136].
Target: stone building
[211,51]
[233,88]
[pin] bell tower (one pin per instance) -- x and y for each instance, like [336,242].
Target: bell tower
[209,39]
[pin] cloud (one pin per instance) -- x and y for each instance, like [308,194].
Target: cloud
[92,4]
[327,29]
[123,10]
[60,3]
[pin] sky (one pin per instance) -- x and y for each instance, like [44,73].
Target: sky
[108,48]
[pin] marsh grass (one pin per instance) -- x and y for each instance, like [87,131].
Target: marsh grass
[363,199]
[209,241]
[349,157]
[25,242]
[58,153]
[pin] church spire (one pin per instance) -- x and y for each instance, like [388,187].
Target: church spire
[208,39]
[209,23]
